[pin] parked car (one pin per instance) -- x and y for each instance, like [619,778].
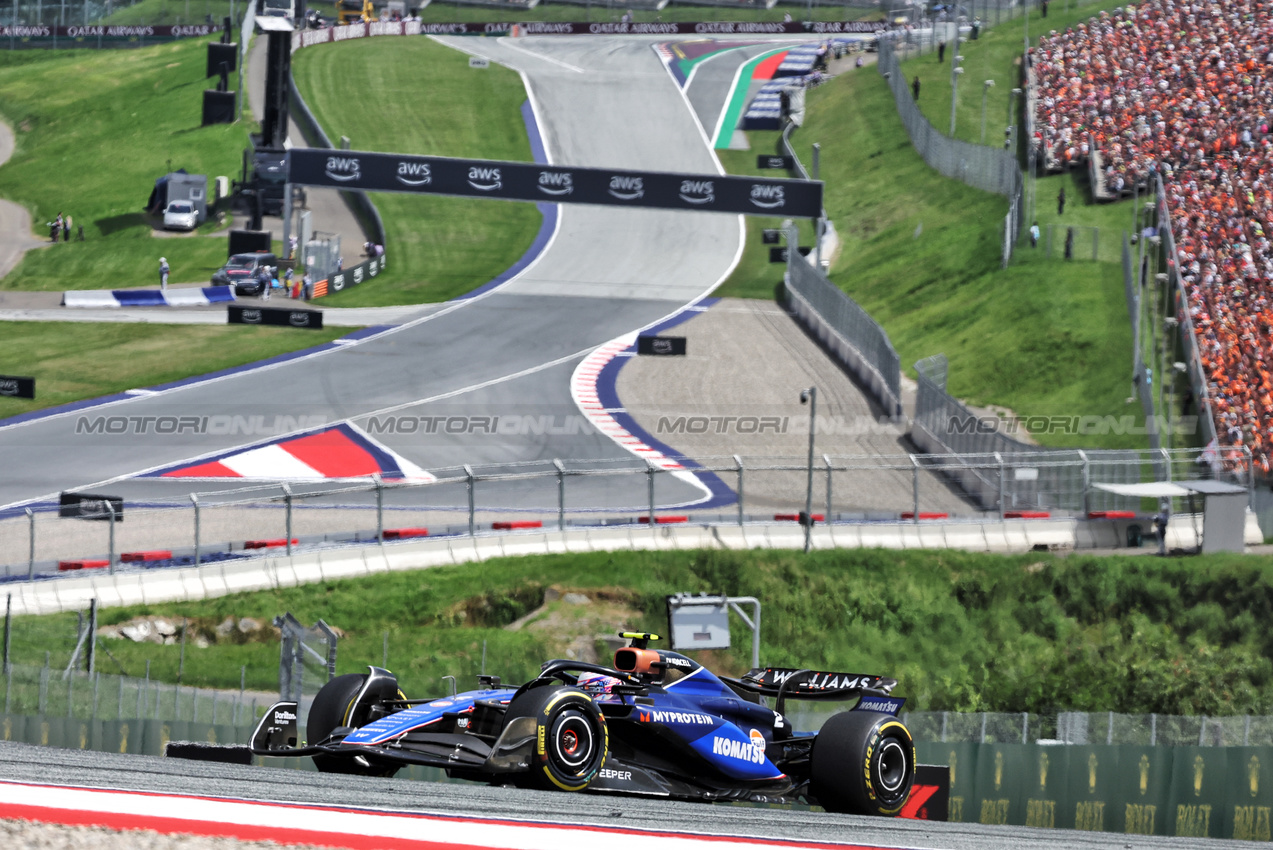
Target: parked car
[243,272]
[656,724]
[181,215]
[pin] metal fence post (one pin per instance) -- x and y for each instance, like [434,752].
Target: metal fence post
[827,461]
[92,635]
[468,472]
[649,481]
[914,488]
[31,552]
[8,631]
[380,508]
[739,462]
[194,501]
[1002,506]
[561,494]
[1087,481]
[287,504]
[110,518]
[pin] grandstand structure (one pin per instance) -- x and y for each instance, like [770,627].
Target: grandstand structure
[1180,93]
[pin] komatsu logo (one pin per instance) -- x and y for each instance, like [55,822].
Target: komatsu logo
[735,749]
[344,168]
[415,173]
[485,179]
[698,191]
[627,188]
[556,182]
[767,196]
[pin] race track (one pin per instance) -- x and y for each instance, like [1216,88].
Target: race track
[22,763]
[604,273]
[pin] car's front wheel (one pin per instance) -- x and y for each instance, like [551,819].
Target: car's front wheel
[571,739]
[863,763]
[334,707]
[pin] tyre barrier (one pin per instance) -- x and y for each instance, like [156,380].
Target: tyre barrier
[925,515]
[269,544]
[83,564]
[141,557]
[1111,514]
[663,520]
[1027,515]
[796,518]
[403,533]
[512,525]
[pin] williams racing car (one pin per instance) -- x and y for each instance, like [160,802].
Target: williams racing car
[657,724]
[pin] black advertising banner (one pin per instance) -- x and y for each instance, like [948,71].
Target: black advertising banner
[528,181]
[12,386]
[779,255]
[90,506]
[116,31]
[787,162]
[661,345]
[311,319]
[351,276]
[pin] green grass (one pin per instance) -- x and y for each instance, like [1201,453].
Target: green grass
[961,631]
[94,129]
[437,247]
[174,12]
[67,363]
[922,254]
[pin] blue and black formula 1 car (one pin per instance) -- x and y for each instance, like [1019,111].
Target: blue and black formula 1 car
[657,724]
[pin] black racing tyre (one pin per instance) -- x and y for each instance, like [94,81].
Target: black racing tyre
[333,708]
[863,763]
[571,739]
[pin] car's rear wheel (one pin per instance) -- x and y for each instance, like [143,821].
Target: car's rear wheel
[333,708]
[863,763]
[571,739]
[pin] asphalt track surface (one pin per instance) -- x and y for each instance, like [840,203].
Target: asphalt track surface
[23,763]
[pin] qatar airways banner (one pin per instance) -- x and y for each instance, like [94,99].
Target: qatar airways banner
[528,181]
[330,34]
[19,31]
[307,38]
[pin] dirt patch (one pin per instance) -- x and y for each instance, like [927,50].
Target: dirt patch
[582,625]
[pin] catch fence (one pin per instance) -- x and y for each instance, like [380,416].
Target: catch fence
[986,168]
[991,474]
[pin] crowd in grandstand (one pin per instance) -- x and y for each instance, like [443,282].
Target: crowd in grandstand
[1181,89]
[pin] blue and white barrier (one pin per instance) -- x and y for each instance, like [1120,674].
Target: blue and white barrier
[187,297]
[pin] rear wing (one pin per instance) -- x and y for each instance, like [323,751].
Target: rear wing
[784,683]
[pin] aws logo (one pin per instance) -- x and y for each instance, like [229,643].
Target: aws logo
[698,191]
[414,173]
[345,169]
[485,179]
[556,182]
[627,188]
[768,196]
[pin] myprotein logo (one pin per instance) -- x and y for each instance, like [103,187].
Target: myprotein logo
[627,188]
[682,718]
[485,179]
[252,317]
[556,182]
[738,750]
[345,169]
[768,196]
[8,386]
[414,173]
[698,191]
